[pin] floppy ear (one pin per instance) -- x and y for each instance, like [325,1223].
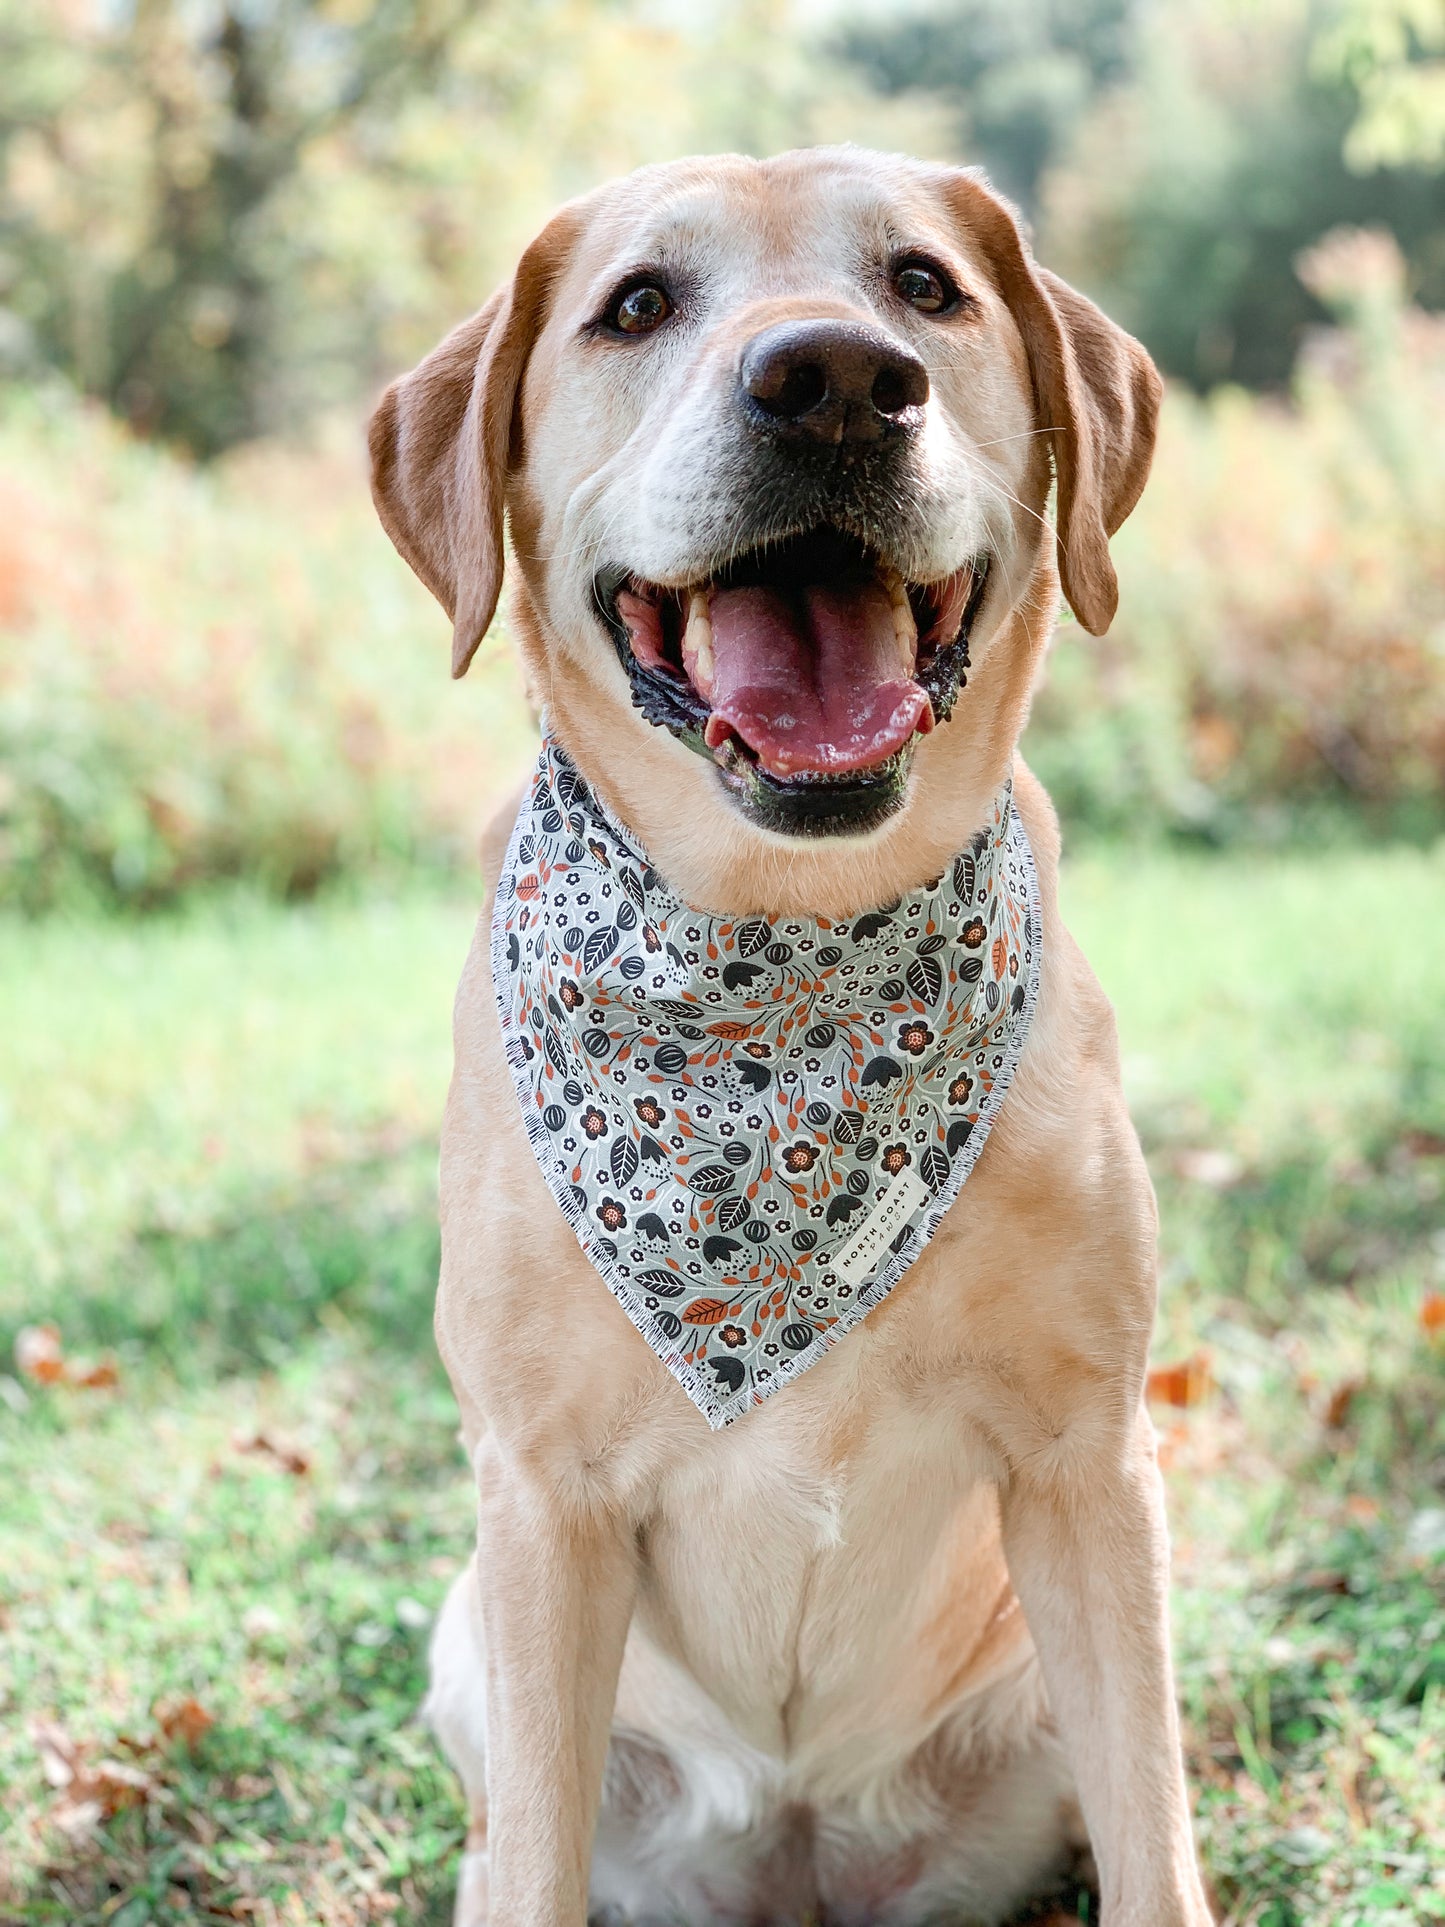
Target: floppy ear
[444,437]
[1096,393]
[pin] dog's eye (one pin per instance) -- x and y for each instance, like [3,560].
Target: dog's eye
[925,287]
[641,309]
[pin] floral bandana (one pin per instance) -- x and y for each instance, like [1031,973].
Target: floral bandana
[754,1127]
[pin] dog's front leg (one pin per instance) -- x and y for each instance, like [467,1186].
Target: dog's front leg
[557,1576]
[1087,1548]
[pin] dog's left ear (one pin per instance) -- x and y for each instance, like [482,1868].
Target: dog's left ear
[444,437]
[1096,393]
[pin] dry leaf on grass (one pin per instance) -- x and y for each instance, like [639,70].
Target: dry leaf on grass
[261,1444]
[1182,1385]
[1432,1312]
[40,1356]
[89,1790]
[183,1720]
[1341,1399]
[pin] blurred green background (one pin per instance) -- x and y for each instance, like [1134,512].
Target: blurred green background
[239,802]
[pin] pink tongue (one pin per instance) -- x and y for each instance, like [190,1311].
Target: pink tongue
[813,683]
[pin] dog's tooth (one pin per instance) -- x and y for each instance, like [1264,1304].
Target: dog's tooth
[697,643]
[905,629]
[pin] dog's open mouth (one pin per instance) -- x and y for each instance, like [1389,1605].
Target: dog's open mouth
[807,669]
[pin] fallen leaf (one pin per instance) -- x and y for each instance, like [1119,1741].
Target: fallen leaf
[183,1719]
[1423,1144]
[1337,1407]
[38,1354]
[1432,1312]
[93,1374]
[1183,1385]
[262,1445]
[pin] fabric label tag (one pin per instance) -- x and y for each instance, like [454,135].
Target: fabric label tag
[902,1198]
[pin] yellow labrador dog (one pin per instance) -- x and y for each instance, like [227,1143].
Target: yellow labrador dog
[774,440]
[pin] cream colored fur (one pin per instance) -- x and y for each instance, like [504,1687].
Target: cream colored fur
[895,1645]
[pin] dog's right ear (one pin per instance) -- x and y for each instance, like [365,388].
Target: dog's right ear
[444,438]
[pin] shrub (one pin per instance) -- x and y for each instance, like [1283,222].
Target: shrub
[224,673]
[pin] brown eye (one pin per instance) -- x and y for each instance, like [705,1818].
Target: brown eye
[641,310]
[924,287]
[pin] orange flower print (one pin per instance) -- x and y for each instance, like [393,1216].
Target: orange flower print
[599,850]
[570,995]
[650,1111]
[613,1213]
[651,939]
[973,932]
[732,1335]
[756,1049]
[894,1157]
[593,1122]
[961,1089]
[914,1037]
[799,1157]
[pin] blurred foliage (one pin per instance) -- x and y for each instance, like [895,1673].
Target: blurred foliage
[1176,155]
[1279,653]
[226,672]
[221,218]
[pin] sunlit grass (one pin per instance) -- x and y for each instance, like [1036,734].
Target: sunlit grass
[217,1141]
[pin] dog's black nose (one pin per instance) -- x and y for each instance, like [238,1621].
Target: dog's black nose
[831,381]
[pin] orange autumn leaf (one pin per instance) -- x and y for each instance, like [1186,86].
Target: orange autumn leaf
[1182,1385]
[38,1354]
[1000,956]
[706,1311]
[1432,1312]
[183,1719]
[730,1031]
[528,888]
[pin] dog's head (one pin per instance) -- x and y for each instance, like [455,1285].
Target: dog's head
[775,438]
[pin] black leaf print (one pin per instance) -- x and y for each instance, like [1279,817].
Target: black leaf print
[930,946]
[526,849]
[666,1284]
[925,978]
[556,1056]
[668,1323]
[569,785]
[578,1196]
[738,976]
[841,1209]
[649,1225]
[514,950]
[1018,1000]
[820,1036]
[958,1135]
[605,1248]
[651,1150]
[599,947]
[737,1153]
[717,1251]
[711,1181]
[729,1372]
[970,969]
[848,1125]
[623,1160]
[632,884]
[626,915]
[797,1338]
[869,926]
[881,1070]
[675,1008]
[965,876]
[933,1167]
[750,937]
[731,1213]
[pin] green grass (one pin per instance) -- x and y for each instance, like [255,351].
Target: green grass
[217,1139]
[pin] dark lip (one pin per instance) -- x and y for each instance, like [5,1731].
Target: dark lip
[804,805]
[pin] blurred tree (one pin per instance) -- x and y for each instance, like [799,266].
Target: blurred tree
[1018,76]
[1201,145]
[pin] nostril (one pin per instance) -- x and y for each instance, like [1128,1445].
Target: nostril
[793,391]
[897,388]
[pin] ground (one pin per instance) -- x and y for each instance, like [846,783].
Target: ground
[217,1572]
